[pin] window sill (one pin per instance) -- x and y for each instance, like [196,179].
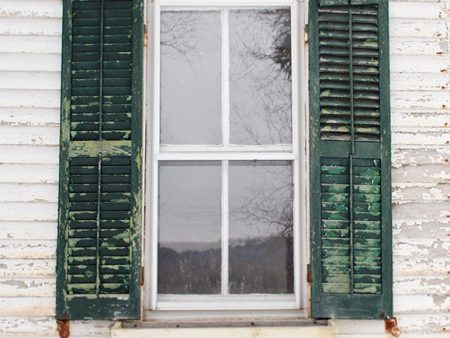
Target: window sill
[224,329]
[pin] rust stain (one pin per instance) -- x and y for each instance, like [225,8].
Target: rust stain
[391,326]
[63,328]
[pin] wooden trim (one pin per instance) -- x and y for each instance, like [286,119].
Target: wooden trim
[61,312]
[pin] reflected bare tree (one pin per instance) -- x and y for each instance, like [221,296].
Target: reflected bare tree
[260,47]
[266,59]
[178,33]
[267,209]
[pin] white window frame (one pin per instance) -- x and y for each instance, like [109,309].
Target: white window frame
[297,153]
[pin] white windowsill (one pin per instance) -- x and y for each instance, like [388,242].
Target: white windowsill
[284,329]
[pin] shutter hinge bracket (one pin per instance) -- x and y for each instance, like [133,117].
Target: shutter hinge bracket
[391,326]
[306,38]
[63,328]
[308,273]
[142,278]
[145,36]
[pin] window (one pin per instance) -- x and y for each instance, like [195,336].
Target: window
[227,200]
[225,223]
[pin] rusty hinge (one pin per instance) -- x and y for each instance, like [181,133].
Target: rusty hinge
[145,36]
[142,279]
[63,328]
[308,273]
[391,326]
[306,38]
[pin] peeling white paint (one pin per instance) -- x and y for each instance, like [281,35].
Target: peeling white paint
[30,59]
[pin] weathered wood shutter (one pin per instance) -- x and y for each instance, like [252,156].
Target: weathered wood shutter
[350,159]
[99,238]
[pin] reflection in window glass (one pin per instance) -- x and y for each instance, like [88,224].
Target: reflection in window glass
[190,77]
[261,227]
[189,254]
[260,76]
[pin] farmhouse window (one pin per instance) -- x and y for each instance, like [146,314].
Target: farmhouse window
[246,184]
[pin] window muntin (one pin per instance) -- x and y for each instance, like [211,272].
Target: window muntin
[273,148]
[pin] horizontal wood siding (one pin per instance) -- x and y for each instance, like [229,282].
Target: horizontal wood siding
[30,49]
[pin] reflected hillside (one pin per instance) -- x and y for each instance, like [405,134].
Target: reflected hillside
[258,265]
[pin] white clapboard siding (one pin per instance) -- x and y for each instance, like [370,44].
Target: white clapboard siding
[416,27]
[424,228]
[27,249]
[30,44]
[21,230]
[27,268]
[420,266]
[28,173]
[22,26]
[30,61]
[420,118]
[419,63]
[27,287]
[413,155]
[26,192]
[419,81]
[25,154]
[31,80]
[30,116]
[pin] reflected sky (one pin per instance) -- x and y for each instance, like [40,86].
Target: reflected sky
[189,204]
[189,254]
[191,77]
[259,79]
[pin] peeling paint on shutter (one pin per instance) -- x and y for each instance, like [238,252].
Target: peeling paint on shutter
[100,162]
[350,159]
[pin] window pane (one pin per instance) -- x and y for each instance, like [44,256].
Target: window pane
[261,227]
[260,76]
[189,253]
[190,77]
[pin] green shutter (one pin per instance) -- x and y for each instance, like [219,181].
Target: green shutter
[351,249]
[98,264]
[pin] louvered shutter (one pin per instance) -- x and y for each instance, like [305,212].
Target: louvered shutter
[99,239]
[351,275]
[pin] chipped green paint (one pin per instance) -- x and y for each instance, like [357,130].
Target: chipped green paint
[350,159]
[93,148]
[333,169]
[112,145]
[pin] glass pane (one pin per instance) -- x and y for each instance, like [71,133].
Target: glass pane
[260,76]
[189,250]
[261,227]
[190,77]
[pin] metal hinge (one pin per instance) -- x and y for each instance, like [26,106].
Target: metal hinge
[308,273]
[145,36]
[306,34]
[142,278]
[391,326]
